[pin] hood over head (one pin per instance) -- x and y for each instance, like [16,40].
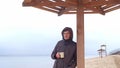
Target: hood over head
[68,29]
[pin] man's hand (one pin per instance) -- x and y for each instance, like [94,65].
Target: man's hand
[57,55]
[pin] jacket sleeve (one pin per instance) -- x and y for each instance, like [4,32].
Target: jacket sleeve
[54,51]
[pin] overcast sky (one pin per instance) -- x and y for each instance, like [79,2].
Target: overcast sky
[31,31]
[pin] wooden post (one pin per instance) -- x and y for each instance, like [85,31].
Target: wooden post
[80,35]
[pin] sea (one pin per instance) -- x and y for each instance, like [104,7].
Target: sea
[26,62]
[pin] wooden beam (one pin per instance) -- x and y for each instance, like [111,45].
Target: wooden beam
[58,0]
[28,1]
[55,8]
[107,6]
[84,12]
[40,7]
[115,8]
[80,35]
[52,4]
[100,10]
[102,2]
[31,2]
[74,2]
[67,9]
[96,9]
[48,3]
[64,9]
[28,4]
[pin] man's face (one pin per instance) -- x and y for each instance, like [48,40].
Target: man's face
[66,35]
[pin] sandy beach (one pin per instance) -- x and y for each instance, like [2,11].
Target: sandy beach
[112,61]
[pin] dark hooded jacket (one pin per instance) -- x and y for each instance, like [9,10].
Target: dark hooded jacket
[69,49]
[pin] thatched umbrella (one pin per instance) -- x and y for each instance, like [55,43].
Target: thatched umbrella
[78,7]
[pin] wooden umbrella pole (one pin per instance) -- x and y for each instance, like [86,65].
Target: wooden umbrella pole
[80,35]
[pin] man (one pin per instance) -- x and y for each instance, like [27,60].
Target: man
[65,51]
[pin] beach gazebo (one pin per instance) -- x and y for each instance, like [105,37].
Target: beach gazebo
[78,7]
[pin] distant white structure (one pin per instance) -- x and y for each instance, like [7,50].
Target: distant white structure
[102,51]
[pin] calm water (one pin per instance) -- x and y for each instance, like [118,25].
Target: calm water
[26,62]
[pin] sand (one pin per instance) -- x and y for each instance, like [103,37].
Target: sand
[112,61]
